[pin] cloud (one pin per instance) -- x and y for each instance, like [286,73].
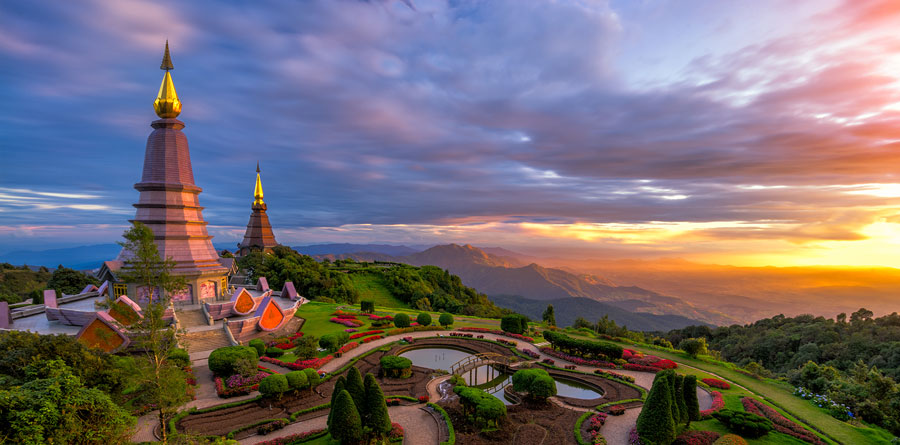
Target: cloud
[398,119]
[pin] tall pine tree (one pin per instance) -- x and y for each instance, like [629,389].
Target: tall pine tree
[375,413]
[549,316]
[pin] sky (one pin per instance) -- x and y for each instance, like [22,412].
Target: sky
[743,132]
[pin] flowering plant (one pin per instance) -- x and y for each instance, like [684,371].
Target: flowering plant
[365,334]
[717,403]
[348,347]
[373,338]
[396,431]
[716,383]
[423,399]
[779,422]
[694,437]
[839,411]
[293,438]
[352,323]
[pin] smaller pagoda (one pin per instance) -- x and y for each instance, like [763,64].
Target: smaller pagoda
[259,236]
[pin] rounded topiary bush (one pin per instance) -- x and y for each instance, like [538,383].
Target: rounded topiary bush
[730,439]
[274,352]
[274,385]
[222,360]
[297,380]
[423,319]
[259,345]
[445,319]
[536,382]
[401,320]
[312,376]
[397,367]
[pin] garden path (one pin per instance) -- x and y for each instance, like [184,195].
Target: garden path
[419,426]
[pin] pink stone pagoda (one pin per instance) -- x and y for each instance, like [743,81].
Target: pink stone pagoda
[169,205]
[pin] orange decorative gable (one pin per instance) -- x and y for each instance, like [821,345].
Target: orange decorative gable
[272,316]
[102,334]
[244,302]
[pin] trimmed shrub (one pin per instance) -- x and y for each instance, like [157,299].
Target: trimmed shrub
[222,360]
[396,367]
[743,423]
[274,385]
[536,382]
[180,358]
[655,423]
[690,398]
[445,319]
[312,376]
[346,417]
[354,386]
[515,323]
[338,387]
[683,416]
[259,345]
[485,408]
[297,380]
[730,439]
[401,320]
[274,352]
[579,347]
[375,413]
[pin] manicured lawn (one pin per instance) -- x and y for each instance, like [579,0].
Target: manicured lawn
[780,395]
[773,438]
[371,288]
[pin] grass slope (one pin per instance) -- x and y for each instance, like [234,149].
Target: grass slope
[370,287]
[780,395]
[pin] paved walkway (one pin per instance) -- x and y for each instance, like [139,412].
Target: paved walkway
[419,426]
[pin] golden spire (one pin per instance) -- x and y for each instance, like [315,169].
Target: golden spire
[167,105]
[257,192]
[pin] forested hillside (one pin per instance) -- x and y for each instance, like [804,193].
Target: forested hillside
[853,360]
[427,287]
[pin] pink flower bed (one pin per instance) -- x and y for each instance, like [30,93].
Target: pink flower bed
[641,368]
[578,360]
[348,347]
[664,364]
[780,423]
[717,403]
[225,393]
[716,383]
[237,380]
[499,332]
[627,354]
[396,431]
[596,422]
[696,438]
[617,376]
[314,363]
[365,334]
[349,322]
[380,317]
[285,440]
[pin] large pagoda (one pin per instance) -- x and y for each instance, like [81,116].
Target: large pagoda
[169,205]
[259,236]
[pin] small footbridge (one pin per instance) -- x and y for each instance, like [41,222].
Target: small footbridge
[475,361]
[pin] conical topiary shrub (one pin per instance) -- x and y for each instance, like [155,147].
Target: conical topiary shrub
[655,423]
[376,417]
[690,398]
[354,386]
[347,426]
[338,387]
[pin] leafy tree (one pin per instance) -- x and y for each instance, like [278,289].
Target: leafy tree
[354,386]
[311,278]
[69,281]
[375,413]
[549,316]
[307,347]
[536,382]
[156,337]
[346,416]
[223,361]
[692,404]
[334,341]
[655,423]
[445,319]
[401,320]
[274,385]
[694,346]
[54,406]
[423,319]
[367,306]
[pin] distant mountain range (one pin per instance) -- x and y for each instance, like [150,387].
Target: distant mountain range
[78,258]
[343,248]
[509,276]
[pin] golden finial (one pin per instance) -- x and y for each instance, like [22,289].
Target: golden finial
[258,192]
[167,105]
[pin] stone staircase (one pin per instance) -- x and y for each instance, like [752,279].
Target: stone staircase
[205,340]
[190,319]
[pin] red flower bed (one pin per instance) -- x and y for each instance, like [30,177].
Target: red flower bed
[717,404]
[225,393]
[627,354]
[314,363]
[423,399]
[295,336]
[285,440]
[716,383]
[380,317]
[285,346]
[396,431]
[376,337]
[641,368]
[499,332]
[664,364]
[346,317]
[348,347]
[696,438]
[780,423]
[365,334]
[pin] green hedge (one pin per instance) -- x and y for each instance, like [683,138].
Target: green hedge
[578,424]
[446,417]
[221,361]
[297,414]
[579,347]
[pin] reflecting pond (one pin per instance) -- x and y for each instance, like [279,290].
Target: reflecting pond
[487,378]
